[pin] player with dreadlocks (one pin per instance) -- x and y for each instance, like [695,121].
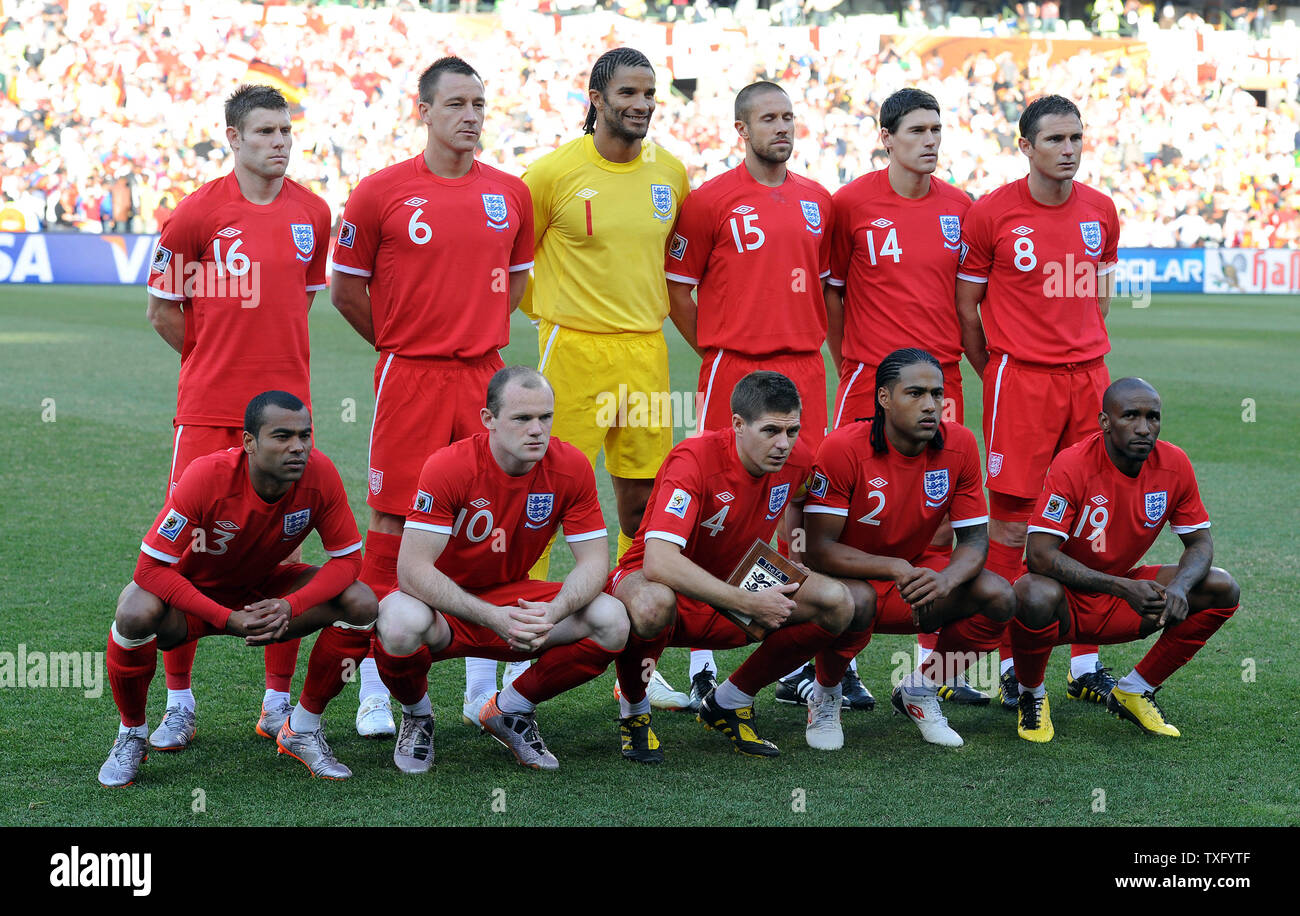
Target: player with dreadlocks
[604,207]
[880,489]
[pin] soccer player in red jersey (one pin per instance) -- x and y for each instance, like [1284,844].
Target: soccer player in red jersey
[881,489]
[483,511]
[212,564]
[894,254]
[233,276]
[754,246]
[1037,260]
[1103,505]
[714,496]
[432,257]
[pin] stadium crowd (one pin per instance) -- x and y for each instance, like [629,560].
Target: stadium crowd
[108,119]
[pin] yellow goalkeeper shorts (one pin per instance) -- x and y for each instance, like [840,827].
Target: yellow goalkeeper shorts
[611,391]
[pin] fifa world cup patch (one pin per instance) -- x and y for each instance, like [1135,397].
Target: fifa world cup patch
[161,258]
[423,501]
[678,502]
[347,234]
[678,248]
[819,485]
[172,525]
[1055,508]
[296,522]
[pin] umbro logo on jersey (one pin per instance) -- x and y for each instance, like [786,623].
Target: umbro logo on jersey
[229,232]
[725,497]
[1022,230]
[586,194]
[415,202]
[479,503]
[1098,500]
[743,209]
[882,223]
[227,526]
[878,482]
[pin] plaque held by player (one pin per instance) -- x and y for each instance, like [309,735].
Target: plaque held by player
[761,568]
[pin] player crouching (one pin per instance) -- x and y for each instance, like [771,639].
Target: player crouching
[211,565]
[714,496]
[881,489]
[485,509]
[1103,505]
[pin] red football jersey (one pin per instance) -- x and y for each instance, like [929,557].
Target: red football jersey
[897,259]
[221,535]
[1044,267]
[705,502]
[245,274]
[438,252]
[464,493]
[893,504]
[1108,519]
[757,255]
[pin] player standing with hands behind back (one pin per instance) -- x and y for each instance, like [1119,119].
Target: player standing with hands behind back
[232,279]
[1038,342]
[433,255]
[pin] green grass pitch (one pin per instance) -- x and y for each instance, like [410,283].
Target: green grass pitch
[88,395]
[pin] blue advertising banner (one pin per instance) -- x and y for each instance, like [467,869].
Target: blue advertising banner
[1161,270]
[75,257]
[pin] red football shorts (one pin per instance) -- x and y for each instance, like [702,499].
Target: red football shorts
[698,625]
[893,614]
[722,369]
[196,441]
[855,396]
[1031,413]
[1104,619]
[421,405]
[476,641]
[280,583]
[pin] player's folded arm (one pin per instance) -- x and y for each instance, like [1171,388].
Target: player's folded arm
[1198,554]
[828,555]
[330,581]
[666,564]
[970,552]
[418,577]
[157,576]
[1043,557]
[587,578]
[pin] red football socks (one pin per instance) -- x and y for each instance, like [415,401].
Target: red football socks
[327,666]
[562,668]
[1177,644]
[129,673]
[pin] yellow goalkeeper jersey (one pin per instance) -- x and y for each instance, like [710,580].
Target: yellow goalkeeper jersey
[601,230]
